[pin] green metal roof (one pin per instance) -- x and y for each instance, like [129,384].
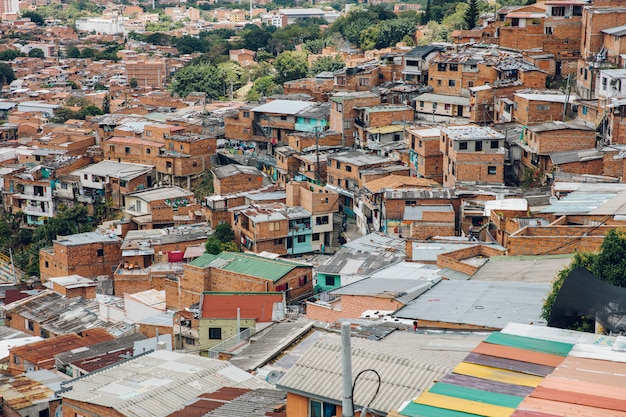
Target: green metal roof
[419,410]
[472,394]
[246,264]
[529,343]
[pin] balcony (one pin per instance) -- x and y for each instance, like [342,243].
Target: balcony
[35,211]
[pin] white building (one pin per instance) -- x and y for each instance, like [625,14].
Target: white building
[107,25]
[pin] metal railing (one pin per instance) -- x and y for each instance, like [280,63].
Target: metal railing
[228,344]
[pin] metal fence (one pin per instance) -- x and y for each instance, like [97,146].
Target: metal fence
[228,344]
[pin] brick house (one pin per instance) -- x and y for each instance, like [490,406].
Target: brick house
[220,312]
[358,78]
[276,228]
[416,63]
[217,206]
[595,20]
[349,171]
[538,106]
[238,272]
[243,57]
[161,207]
[184,158]
[344,110]
[110,181]
[543,139]
[426,158]
[322,203]
[472,154]
[232,178]
[90,255]
[428,221]
[320,87]
[380,116]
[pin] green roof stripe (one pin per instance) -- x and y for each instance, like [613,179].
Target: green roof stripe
[245,264]
[473,394]
[530,343]
[420,410]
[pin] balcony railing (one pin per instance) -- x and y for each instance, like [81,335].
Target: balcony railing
[228,344]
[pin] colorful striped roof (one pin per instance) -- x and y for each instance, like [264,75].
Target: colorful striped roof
[510,374]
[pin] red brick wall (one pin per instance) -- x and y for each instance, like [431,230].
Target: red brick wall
[82,260]
[352,306]
[595,167]
[556,240]
[527,111]
[561,140]
[453,260]
[237,183]
[73,408]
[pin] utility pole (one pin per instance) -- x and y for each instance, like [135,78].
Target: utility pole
[567,93]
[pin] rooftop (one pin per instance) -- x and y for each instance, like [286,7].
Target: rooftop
[359,158]
[486,304]
[86,238]
[471,132]
[398,181]
[247,264]
[226,171]
[158,383]
[290,107]
[121,170]
[162,193]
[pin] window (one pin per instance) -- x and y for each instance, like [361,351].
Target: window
[441,67]
[148,151]
[495,144]
[29,325]
[316,236]
[479,146]
[127,150]
[278,241]
[149,133]
[338,164]
[585,109]
[348,168]
[321,220]
[525,154]
[421,104]
[558,11]
[454,67]
[470,84]
[347,124]
[446,106]
[301,239]
[282,287]
[100,252]
[341,81]
[46,264]
[542,107]
[491,170]
[246,114]
[303,280]
[463,146]
[410,202]
[438,82]
[605,81]
[434,106]
[364,82]
[548,30]
[283,117]
[586,73]
[112,148]
[330,281]
[215,333]
[274,226]
[321,409]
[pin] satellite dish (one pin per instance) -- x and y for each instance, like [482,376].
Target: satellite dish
[553,200]
[274,376]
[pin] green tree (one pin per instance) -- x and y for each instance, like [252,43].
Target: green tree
[608,265]
[64,114]
[435,32]
[90,110]
[327,63]
[100,87]
[9,54]
[471,14]
[213,245]
[198,77]
[6,74]
[73,52]
[291,66]
[88,53]
[133,82]
[224,233]
[425,18]
[36,53]
[34,17]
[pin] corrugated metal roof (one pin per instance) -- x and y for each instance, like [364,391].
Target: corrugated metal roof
[440,98]
[417,212]
[158,383]
[283,106]
[489,304]
[247,264]
[318,375]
